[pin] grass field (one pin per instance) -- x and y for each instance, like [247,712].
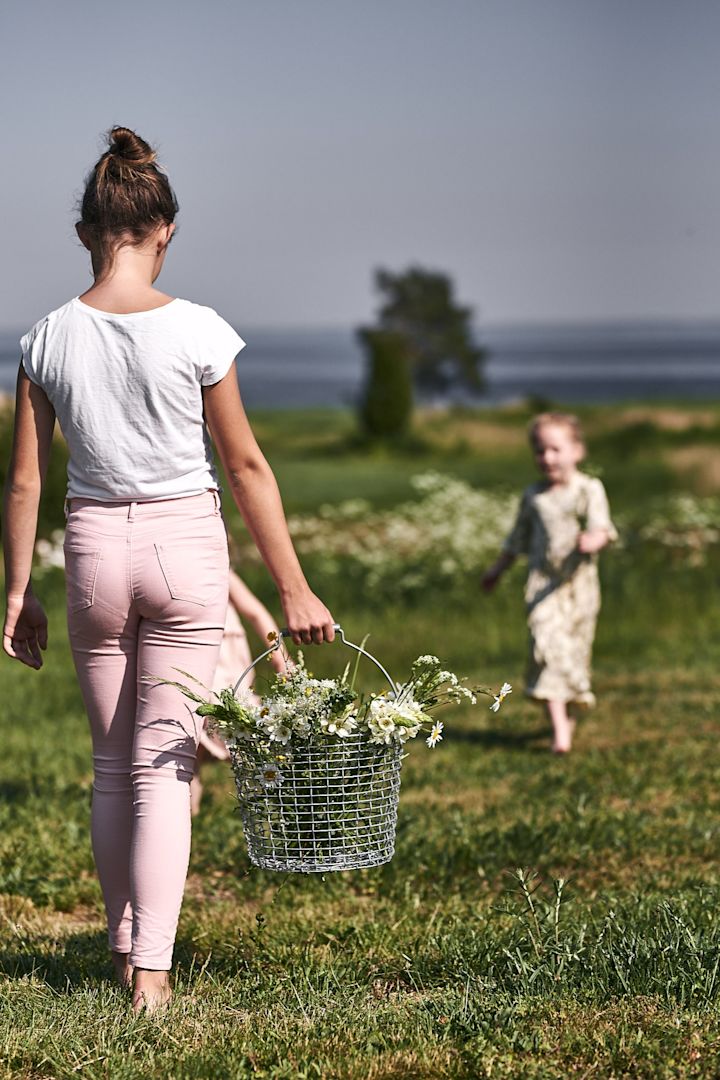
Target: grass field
[542,917]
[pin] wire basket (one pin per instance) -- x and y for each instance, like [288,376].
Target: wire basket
[324,804]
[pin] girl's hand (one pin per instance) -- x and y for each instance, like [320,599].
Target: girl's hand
[592,541]
[26,630]
[308,620]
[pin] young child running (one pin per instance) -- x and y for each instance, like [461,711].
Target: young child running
[139,381]
[234,659]
[562,523]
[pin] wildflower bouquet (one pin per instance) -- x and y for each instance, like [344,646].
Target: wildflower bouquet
[296,706]
[317,764]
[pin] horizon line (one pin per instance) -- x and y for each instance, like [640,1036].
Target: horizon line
[561,323]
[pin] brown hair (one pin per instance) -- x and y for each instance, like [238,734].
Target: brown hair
[126,194]
[559,419]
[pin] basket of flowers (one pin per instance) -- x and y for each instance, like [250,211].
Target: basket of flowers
[317,764]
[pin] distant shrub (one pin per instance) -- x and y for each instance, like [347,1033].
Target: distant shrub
[386,406]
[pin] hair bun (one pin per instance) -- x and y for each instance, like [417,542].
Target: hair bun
[129,148]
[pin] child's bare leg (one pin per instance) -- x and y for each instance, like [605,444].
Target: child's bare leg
[196,788]
[563,726]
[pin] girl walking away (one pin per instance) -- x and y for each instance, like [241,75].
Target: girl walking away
[134,376]
[562,524]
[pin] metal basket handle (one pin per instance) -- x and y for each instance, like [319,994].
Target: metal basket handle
[336,626]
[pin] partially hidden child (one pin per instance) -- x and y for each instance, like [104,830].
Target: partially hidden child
[235,659]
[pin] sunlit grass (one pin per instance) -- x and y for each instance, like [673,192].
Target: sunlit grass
[447,962]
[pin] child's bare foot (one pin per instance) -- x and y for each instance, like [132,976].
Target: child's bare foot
[151,991]
[564,747]
[563,727]
[123,968]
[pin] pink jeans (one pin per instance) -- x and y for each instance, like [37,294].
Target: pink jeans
[147,590]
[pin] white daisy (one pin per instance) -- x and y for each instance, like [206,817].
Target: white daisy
[435,735]
[505,689]
[381,721]
[280,733]
[270,776]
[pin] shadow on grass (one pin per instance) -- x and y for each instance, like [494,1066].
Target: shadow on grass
[62,965]
[13,791]
[533,741]
[75,961]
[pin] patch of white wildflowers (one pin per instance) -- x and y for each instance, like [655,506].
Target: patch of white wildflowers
[686,523]
[449,531]
[50,553]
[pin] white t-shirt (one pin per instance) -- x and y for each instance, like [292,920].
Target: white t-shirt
[126,390]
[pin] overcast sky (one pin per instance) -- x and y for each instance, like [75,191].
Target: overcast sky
[560,158]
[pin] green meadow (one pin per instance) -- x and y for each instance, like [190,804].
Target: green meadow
[542,917]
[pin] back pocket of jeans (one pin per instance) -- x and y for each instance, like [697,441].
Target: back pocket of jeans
[81,571]
[195,576]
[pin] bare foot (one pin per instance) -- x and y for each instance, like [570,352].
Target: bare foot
[151,991]
[123,968]
[563,727]
[562,743]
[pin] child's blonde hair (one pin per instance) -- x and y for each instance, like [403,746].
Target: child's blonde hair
[558,419]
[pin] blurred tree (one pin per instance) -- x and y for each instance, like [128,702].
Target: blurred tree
[419,305]
[386,406]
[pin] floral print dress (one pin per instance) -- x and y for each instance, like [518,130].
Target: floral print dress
[562,593]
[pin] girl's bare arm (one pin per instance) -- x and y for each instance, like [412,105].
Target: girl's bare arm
[250,609]
[491,576]
[25,630]
[256,494]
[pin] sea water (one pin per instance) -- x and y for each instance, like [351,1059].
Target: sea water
[285,368]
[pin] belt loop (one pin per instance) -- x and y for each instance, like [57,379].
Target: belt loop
[131,511]
[66,508]
[216,497]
